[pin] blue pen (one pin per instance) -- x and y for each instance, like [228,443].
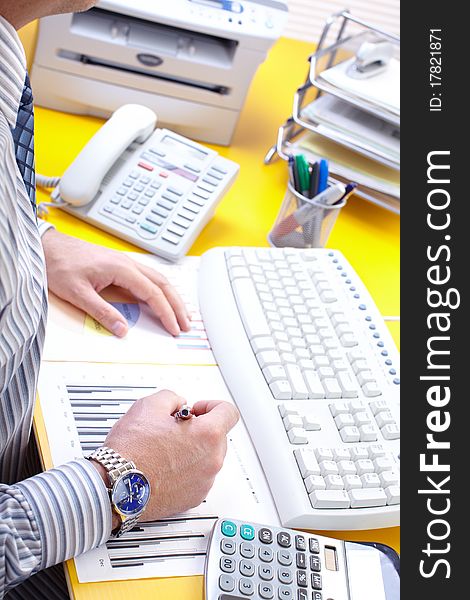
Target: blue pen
[322,176]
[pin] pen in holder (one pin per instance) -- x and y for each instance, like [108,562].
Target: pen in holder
[305,222]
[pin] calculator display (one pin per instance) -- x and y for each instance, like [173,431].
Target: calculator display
[184,150]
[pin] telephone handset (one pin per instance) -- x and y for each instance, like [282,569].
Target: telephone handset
[81,181]
[151,187]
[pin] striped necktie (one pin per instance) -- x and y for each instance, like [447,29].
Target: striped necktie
[23,136]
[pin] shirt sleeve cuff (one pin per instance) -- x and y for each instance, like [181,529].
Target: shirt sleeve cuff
[44,226]
[72,510]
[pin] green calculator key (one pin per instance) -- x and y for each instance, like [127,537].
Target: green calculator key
[228,528]
[247,532]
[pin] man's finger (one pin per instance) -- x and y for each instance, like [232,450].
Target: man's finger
[145,290]
[217,412]
[93,304]
[171,294]
[166,401]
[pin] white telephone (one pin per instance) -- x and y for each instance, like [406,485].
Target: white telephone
[151,187]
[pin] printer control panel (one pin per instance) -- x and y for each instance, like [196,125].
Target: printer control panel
[266,19]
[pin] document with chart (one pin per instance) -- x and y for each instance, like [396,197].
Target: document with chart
[80,402]
[73,336]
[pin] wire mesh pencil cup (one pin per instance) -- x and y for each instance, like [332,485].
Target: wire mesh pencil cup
[303,222]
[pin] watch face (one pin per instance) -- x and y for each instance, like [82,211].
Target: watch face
[131,493]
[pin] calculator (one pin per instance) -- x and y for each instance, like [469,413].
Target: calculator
[247,560]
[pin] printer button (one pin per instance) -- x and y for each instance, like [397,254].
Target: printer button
[192,168]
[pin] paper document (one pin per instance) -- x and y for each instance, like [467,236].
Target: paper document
[353,126]
[80,403]
[382,90]
[73,336]
[350,165]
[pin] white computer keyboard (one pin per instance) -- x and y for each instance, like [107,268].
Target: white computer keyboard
[314,371]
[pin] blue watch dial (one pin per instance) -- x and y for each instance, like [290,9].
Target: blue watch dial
[131,493]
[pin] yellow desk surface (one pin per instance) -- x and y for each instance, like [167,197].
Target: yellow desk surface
[367,235]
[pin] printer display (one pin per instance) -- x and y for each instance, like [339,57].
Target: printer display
[191,61]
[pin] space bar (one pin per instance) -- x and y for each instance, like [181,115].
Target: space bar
[250,309]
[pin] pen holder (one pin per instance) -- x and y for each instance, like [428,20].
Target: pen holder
[303,222]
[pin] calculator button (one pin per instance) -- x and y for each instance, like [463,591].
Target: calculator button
[316,581]
[247,532]
[247,550]
[302,595]
[301,560]
[315,563]
[226,583]
[247,569]
[300,543]
[266,590]
[317,596]
[265,535]
[228,547]
[285,593]
[284,576]
[284,539]
[266,572]
[246,587]
[302,580]
[266,554]
[227,564]
[314,545]
[228,528]
[284,557]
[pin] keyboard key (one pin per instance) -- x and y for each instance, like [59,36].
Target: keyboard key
[274,373]
[332,389]
[375,451]
[292,421]
[286,409]
[350,434]
[367,433]
[344,420]
[351,482]
[334,482]
[388,478]
[297,435]
[281,390]
[365,466]
[349,388]
[267,358]
[346,467]
[314,386]
[330,499]
[307,462]
[391,432]
[366,497]
[311,423]
[314,482]
[370,480]
[252,314]
[371,389]
[323,454]
[361,418]
[299,389]
[393,494]
[328,467]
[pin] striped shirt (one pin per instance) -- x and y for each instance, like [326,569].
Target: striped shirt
[61,513]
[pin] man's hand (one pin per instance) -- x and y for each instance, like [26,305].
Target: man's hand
[78,271]
[180,458]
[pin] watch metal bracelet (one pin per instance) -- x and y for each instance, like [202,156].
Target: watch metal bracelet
[116,466]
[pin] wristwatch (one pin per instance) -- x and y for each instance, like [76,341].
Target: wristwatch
[129,488]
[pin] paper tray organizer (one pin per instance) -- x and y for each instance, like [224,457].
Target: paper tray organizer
[327,55]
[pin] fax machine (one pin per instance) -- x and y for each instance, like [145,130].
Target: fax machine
[191,61]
